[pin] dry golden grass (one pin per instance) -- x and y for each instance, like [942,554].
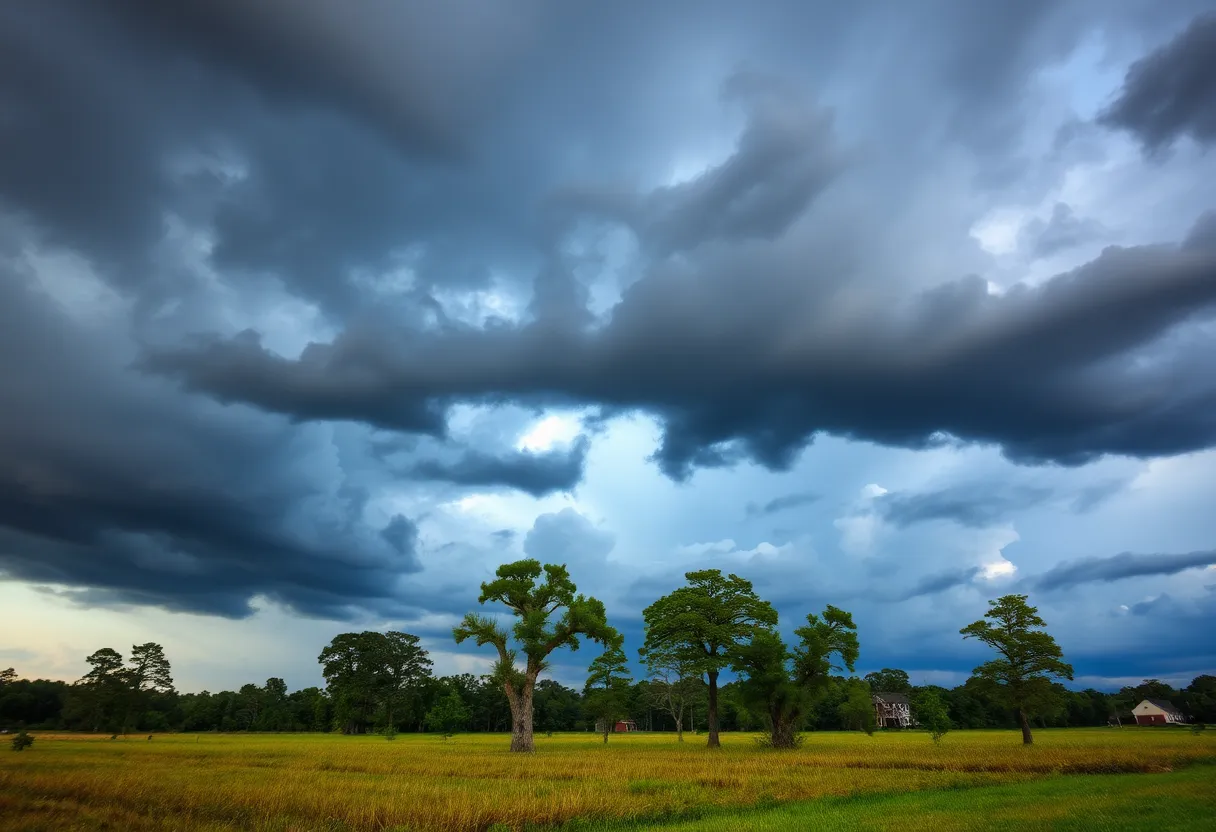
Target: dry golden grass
[323,782]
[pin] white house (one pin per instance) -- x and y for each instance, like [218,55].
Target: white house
[1157,712]
[892,710]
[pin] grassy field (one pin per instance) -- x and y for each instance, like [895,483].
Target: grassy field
[327,782]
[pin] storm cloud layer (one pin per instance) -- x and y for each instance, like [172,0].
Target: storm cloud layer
[334,310]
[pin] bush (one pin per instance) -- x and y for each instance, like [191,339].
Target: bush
[22,741]
[931,714]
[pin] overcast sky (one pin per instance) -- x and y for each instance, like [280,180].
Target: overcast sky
[309,319]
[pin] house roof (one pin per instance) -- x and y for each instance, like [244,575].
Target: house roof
[1164,705]
[892,698]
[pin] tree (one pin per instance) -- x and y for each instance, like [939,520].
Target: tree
[785,685]
[103,689]
[7,675]
[675,683]
[150,669]
[536,632]
[448,715]
[369,671]
[274,712]
[704,623]
[405,666]
[1029,657]
[764,662]
[857,711]
[148,674]
[608,687]
[889,680]
[1199,699]
[22,741]
[930,713]
[353,670]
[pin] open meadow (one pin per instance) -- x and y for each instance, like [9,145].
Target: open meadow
[422,782]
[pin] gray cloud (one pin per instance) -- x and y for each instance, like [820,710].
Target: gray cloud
[567,536]
[782,503]
[1171,92]
[784,157]
[975,506]
[110,482]
[386,65]
[524,222]
[934,584]
[537,474]
[1117,567]
[1064,230]
[1032,370]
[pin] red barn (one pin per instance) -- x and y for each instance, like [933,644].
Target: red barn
[624,726]
[1157,712]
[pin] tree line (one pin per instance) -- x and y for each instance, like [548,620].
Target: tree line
[377,682]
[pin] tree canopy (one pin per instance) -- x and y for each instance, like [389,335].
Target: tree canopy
[550,614]
[607,689]
[1028,657]
[703,623]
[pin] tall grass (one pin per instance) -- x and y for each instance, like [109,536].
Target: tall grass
[324,782]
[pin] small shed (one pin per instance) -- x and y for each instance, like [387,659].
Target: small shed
[1157,712]
[625,726]
[892,710]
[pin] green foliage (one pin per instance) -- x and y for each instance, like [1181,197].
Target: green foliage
[784,685]
[822,642]
[857,711]
[549,615]
[149,669]
[889,680]
[372,673]
[22,741]
[7,676]
[448,715]
[1028,658]
[606,693]
[930,713]
[702,624]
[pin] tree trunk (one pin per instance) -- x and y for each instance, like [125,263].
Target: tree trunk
[711,717]
[679,725]
[782,734]
[1027,739]
[521,714]
[605,733]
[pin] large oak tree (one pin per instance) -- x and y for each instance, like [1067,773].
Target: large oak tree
[549,614]
[702,624]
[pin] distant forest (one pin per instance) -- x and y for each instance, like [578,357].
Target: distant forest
[382,683]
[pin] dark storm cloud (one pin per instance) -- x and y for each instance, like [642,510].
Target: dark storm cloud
[1033,370]
[781,504]
[976,507]
[113,484]
[537,474]
[388,64]
[376,164]
[784,157]
[1117,567]
[1064,230]
[1171,92]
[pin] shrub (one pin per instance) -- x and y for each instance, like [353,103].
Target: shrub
[931,713]
[22,741]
